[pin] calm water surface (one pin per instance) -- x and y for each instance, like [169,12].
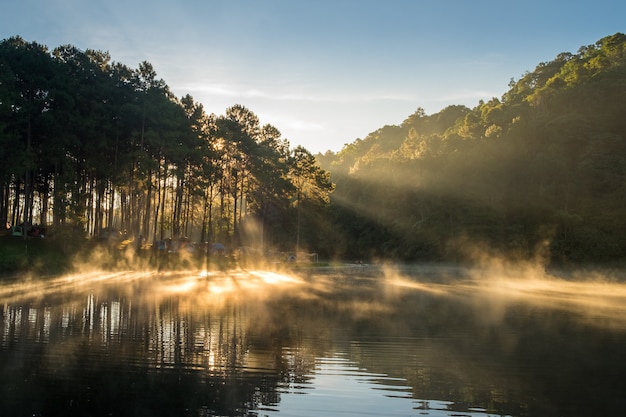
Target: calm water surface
[355,341]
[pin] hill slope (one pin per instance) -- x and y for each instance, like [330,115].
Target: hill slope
[539,172]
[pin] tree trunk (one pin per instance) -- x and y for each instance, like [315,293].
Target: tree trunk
[15,216]
[4,199]
[210,232]
[58,203]
[158,204]
[43,215]
[163,197]
[203,228]
[145,228]
[27,201]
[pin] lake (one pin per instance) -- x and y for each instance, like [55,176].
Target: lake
[355,340]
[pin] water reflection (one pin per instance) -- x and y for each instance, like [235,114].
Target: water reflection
[424,341]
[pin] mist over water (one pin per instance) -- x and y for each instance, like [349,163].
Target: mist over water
[496,339]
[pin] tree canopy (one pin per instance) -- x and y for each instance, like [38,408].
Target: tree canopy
[90,145]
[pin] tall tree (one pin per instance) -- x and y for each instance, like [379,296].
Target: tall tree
[312,184]
[29,72]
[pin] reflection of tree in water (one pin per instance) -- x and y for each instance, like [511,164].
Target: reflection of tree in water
[535,361]
[112,357]
[120,353]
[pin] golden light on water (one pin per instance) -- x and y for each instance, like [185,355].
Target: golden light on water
[182,287]
[205,327]
[404,283]
[592,299]
[34,288]
[492,291]
[274,278]
[595,297]
[166,282]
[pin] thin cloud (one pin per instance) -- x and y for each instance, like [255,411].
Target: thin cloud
[302,125]
[297,125]
[225,90]
[464,96]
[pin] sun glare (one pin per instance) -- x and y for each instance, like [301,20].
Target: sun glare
[273,278]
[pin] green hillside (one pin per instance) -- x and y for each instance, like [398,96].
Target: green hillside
[539,172]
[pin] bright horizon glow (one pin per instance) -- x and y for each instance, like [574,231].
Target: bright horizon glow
[328,72]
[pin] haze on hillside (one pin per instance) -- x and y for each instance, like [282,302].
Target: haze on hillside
[536,174]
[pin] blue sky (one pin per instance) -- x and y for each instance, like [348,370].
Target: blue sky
[324,72]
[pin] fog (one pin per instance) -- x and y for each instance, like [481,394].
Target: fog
[492,285]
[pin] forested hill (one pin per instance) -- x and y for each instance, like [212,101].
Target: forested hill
[90,145]
[540,171]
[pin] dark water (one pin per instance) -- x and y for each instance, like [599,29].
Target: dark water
[350,342]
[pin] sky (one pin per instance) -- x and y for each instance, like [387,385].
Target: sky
[324,72]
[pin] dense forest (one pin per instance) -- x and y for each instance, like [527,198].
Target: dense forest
[537,173]
[89,146]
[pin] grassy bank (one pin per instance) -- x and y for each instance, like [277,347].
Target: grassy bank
[33,255]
